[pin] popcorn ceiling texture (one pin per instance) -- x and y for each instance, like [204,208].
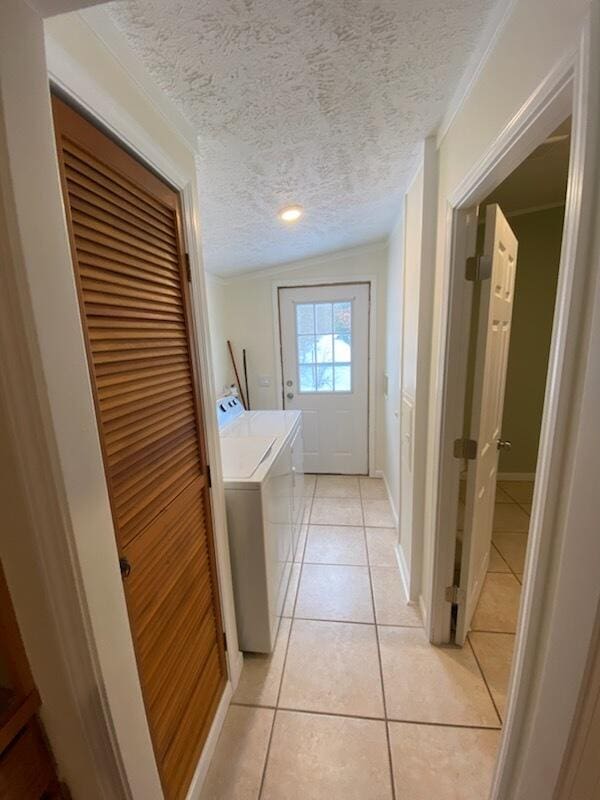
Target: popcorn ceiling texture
[317,102]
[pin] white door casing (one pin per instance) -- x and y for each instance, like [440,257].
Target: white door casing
[491,361]
[325,369]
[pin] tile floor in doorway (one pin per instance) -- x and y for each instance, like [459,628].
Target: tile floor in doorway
[494,623]
[354,703]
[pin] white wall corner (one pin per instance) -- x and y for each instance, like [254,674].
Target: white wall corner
[491,34]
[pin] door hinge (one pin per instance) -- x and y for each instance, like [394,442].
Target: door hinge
[454,595]
[224,641]
[465,448]
[188,269]
[208,476]
[478,268]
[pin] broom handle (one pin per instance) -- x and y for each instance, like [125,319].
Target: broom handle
[237,377]
[246,377]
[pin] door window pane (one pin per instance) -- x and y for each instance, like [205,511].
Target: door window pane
[324,317]
[342,317]
[325,349]
[324,346]
[325,378]
[305,318]
[342,351]
[307,378]
[306,349]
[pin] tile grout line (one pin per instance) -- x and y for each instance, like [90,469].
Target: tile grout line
[344,715]
[387,727]
[489,691]
[360,622]
[287,647]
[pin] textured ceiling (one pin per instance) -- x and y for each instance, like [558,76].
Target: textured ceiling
[317,102]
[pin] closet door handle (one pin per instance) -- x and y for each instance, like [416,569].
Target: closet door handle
[125,567]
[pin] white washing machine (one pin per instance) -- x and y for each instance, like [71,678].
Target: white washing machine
[262,457]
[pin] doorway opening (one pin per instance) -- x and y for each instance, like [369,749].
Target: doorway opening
[504,403]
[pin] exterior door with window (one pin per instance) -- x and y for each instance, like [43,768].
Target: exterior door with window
[325,369]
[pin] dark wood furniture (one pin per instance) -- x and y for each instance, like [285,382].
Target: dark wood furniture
[27,769]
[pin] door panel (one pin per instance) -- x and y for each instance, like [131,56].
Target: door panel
[128,257]
[325,367]
[491,361]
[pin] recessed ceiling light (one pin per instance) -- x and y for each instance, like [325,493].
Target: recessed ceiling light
[291,213]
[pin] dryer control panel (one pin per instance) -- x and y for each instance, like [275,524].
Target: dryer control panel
[228,409]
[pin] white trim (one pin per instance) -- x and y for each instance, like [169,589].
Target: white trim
[491,34]
[306,263]
[381,474]
[373,354]
[542,112]
[516,476]
[403,569]
[67,75]
[550,652]
[209,746]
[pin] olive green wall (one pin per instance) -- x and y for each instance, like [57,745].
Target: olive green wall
[539,235]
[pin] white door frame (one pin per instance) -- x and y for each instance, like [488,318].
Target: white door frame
[79,550]
[555,626]
[282,283]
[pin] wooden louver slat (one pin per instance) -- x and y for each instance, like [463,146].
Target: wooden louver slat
[126,241]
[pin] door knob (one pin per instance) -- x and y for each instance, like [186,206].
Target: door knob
[290,395]
[504,444]
[125,567]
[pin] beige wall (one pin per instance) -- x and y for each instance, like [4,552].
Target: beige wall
[539,236]
[244,313]
[218,315]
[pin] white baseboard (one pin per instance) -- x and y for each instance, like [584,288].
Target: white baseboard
[404,571]
[516,476]
[423,609]
[390,499]
[210,745]
[236,664]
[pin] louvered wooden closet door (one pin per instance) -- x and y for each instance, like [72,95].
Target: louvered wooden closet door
[126,238]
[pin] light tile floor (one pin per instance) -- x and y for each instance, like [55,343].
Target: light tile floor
[494,624]
[354,703]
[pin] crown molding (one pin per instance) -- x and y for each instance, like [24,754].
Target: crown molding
[493,30]
[312,261]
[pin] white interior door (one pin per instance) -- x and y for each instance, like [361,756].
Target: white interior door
[325,369]
[491,360]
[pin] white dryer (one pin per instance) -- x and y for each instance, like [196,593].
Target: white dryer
[262,457]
